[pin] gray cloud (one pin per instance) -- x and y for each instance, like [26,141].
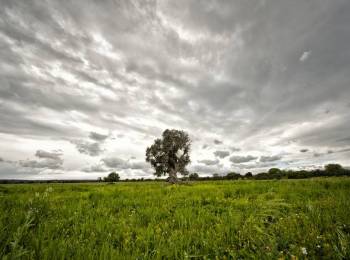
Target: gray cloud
[221,154]
[214,69]
[317,154]
[46,163]
[217,142]
[209,162]
[89,148]
[50,155]
[48,160]
[242,159]
[95,168]
[114,162]
[304,150]
[98,137]
[118,163]
[270,158]
[234,149]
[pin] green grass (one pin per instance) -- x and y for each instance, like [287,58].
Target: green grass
[204,220]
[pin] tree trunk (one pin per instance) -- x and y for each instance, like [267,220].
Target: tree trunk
[173,177]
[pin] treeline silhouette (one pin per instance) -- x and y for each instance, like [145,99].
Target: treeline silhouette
[275,173]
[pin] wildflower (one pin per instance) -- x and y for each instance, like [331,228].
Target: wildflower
[304,251]
[318,246]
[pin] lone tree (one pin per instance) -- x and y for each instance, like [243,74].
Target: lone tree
[112,177]
[169,155]
[194,176]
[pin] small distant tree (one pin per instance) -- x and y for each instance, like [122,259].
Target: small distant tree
[112,177]
[275,171]
[99,179]
[216,176]
[334,169]
[169,155]
[194,176]
[248,175]
[233,176]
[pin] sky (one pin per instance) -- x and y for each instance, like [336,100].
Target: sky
[86,86]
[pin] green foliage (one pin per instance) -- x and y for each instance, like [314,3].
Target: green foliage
[248,175]
[244,219]
[233,176]
[193,176]
[337,169]
[112,177]
[170,154]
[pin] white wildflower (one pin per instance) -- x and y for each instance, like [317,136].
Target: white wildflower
[304,251]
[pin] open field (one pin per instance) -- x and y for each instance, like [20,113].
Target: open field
[232,219]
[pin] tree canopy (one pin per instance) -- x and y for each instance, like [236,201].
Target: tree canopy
[169,155]
[112,177]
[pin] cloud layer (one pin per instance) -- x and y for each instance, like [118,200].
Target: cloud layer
[103,79]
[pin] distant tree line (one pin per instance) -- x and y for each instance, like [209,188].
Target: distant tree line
[275,173]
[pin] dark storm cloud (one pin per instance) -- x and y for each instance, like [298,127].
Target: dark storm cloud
[255,74]
[221,154]
[242,159]
[304,150]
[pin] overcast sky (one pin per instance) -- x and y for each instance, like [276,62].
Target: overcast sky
[86,86]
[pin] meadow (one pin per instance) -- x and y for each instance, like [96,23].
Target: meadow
[243,219]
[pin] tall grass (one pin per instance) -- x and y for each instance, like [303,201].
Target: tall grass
[207,220]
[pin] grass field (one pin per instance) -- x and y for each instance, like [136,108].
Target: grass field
[244,219]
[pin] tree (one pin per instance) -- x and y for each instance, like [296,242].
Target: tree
[194,176]
[233,176]
[334,169]
[248,175]
[216,176]
[169,155]
[112,177]
[275,171]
